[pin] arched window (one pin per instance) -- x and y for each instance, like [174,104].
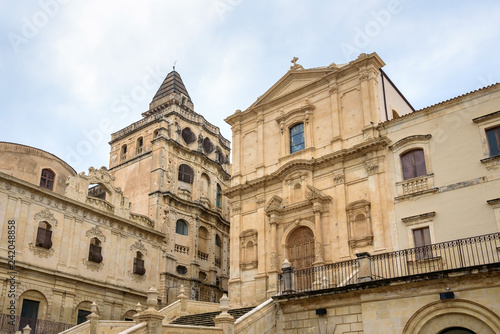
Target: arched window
[95,251]
[139,145]
[123,152]
[297,142]
[218,250]
[186,174]
[47,179]
[139,264]
[181,227]
[413,164]
[44,235]
[218,196]
[203,239]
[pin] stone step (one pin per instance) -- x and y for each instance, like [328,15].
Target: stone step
[207,319]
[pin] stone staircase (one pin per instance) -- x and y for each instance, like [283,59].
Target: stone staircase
[207,319]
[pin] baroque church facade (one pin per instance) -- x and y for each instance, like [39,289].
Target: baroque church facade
[344,210]
[157,217]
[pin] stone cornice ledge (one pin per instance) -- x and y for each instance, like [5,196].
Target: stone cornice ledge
[344,154]
[419,217]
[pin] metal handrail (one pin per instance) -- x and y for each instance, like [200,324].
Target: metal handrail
[449,255]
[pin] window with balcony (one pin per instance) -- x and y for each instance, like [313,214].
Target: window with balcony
[139,264]
[123,153]
[139,145]
[186,174]
[47,179]
[413,164]
[297,142]
[95,251]
[422,241]
[181,227]
[44,235]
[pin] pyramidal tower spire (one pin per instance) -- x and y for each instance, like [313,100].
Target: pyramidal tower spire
[171,91]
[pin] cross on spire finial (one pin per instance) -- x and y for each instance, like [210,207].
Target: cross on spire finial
[175,62]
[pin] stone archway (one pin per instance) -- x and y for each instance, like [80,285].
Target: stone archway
[300,247]
[441,315]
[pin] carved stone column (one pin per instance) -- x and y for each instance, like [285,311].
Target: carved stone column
[318,235]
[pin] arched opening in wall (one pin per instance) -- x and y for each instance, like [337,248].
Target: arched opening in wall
[202,276]
[44,235]
[33,306]
[123,152]
[95,250]
[155,133]
[139,268]
[300,247]
[97,191]
[47,179]
[205,189]
[129,315]
[218,251]
[139,145]
[297,193]
[203,240]
[457,330]
[82,310]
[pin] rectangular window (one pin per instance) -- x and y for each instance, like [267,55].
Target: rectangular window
[413,164]
[493,136]
[297,142]
[422,239]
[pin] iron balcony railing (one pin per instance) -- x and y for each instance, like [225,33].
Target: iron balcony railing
[38,326]
[450,255]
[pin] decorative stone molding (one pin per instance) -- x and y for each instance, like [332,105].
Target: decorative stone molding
[136,278]
[359,224]
[46,215]
[410,139]
[40,251]
[339,178]
[371,168]
[419,218]
[139,246]
[261,201]
[93,266]
[364,76]
[96,232]
[274,261]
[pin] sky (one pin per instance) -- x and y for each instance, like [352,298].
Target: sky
[74,71]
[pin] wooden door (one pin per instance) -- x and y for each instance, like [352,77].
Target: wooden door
[301,248]
[29,314]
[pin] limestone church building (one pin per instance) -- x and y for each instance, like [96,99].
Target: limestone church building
[342,210]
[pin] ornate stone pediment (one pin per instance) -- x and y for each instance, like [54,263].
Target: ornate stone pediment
[275,203]
[139,246]
[315,193]
[96,232]
[47,216]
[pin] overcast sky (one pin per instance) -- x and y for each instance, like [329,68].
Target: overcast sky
[73,71]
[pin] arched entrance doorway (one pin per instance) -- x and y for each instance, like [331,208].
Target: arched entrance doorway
[300,247]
